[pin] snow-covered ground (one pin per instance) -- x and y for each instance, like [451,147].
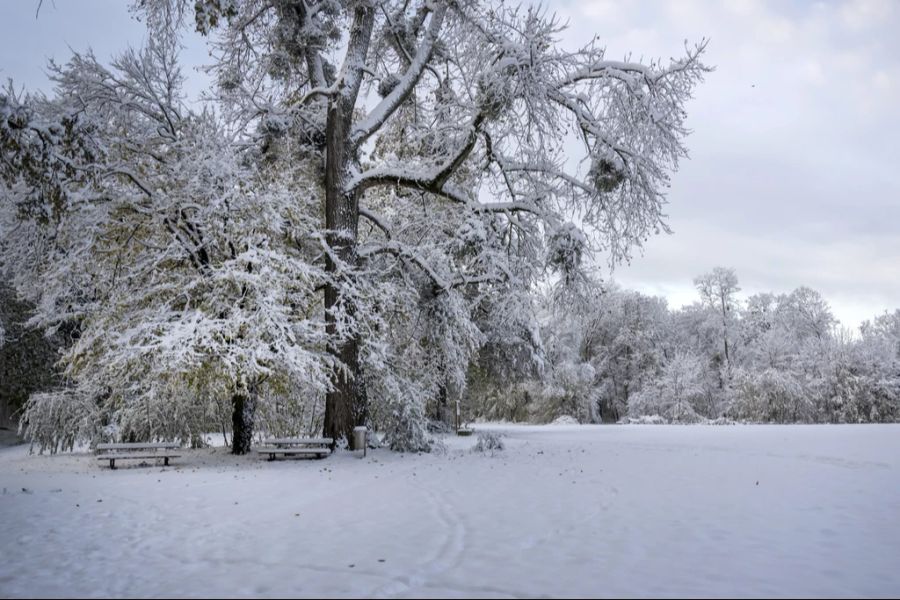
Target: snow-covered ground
[562,511]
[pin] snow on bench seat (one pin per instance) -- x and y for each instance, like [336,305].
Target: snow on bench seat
[299,442]
[140,446]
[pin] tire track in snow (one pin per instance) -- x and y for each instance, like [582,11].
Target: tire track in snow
[448,556]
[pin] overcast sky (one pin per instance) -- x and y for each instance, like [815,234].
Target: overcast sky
[794,174]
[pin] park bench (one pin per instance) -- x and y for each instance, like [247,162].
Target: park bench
[114,452]
[317,447]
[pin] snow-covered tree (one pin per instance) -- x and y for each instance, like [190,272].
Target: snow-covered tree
[385,164]
[500,384]
[599,355]
[855,380]
[676,394]
[186,263]
[805,312]
[770,395]
[629,355]
[718,292]
[628,339]
[448,119]
[885,327]
[878,356]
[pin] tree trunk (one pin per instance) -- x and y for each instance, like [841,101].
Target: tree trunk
[242,418]
[440,414]
[345,405]
[725,334]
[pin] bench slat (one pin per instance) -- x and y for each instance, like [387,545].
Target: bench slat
[300,441]
[139,446]
[293,451]
[135,456]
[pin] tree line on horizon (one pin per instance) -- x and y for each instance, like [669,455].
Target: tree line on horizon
[770,358]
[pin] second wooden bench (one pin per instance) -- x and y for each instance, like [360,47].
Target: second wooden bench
[316,447]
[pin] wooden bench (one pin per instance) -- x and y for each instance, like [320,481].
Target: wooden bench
[317,447]
[114,452]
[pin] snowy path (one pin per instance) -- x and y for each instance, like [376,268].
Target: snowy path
[563,511]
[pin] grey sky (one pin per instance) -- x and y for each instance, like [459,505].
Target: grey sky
[794,176]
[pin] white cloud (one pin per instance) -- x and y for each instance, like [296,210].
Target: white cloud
[863,14]
[793,177]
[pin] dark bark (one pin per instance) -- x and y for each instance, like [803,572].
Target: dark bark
[342,403]
[725,332]
[345,404]
[242,419]
[440,414]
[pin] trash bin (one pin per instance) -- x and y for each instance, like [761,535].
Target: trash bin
[359,439]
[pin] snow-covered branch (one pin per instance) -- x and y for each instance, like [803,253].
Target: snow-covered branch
[405,85]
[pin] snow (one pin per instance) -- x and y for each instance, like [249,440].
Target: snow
[565,420]
[564,510]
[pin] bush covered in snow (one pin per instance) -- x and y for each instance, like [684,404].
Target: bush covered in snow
[644,420]
[565,420]
[488,441]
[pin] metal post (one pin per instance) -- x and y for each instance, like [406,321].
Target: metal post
[359,439]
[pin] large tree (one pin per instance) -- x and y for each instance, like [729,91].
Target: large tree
[463,110]
[454,151]
[180,259]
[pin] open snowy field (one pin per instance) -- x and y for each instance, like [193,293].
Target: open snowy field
[562,511]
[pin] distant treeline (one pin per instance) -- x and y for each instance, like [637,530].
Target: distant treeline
[769,358]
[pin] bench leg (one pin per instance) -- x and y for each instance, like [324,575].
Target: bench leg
[112,463]
[272,456]
[166,461]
